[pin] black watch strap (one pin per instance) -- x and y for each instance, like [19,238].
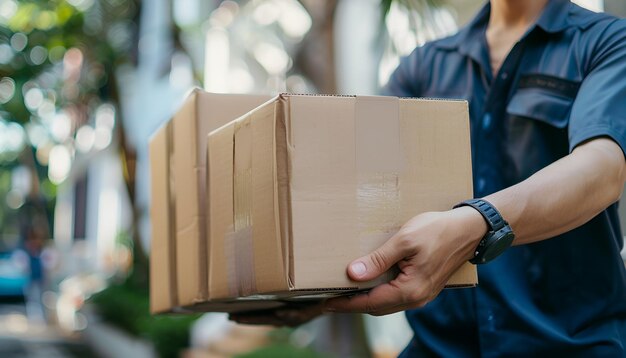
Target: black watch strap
[499,236]
[488,211]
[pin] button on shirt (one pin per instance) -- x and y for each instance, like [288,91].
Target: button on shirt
[562,84]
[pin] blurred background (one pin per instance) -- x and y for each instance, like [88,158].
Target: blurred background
[83,85]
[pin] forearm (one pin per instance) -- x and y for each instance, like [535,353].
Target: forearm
[431,246]
[565,194]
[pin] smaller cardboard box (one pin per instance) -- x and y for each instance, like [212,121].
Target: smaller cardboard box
[303,185]
[178,267]
[162,246]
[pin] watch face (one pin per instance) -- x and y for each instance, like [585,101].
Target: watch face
[497,244]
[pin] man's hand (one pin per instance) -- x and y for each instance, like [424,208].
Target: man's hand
[431,246]
[428,249]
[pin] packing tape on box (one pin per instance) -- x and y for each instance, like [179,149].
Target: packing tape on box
[231,265]
[379,162]
[378,201]
[244,281]
[239,259]
[244,260]
[284,150]
[171,213]
[203,260]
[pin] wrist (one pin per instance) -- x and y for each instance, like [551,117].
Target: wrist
[472,228]
[499,237]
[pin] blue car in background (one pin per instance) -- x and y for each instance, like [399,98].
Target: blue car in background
[13,277]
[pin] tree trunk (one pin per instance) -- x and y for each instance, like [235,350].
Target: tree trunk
[316,57]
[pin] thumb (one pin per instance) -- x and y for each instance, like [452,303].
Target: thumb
[376,263]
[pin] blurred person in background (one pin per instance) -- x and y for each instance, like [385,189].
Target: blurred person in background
[546,85]
[34,236]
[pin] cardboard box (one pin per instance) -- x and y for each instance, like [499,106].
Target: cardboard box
[178,177]
[302,185]
[162,247]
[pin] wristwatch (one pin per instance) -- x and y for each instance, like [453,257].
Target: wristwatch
[498,238]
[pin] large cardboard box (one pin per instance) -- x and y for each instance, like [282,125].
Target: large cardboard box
[302,185]
[178,274]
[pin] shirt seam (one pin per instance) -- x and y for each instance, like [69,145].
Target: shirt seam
[595,131]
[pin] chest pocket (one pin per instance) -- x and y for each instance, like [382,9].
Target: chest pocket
[537,121]
[539,104]
[545,98]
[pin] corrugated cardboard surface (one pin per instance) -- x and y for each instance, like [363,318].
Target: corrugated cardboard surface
[184,171]
[321,180]
[178,179]
[323,190]
[442,160]
[363,168]
[220,211]
[259,166]
[251,201]
[201,113]
[161,290]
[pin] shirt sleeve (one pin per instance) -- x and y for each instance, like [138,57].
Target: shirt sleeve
[599,109]
[404,79]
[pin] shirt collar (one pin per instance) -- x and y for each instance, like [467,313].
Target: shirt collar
[553,19]
[471,31]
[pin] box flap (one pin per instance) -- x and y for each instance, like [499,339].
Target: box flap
[201,113]
[256,198]
[162,248]
[283,174]
[185,161]
[245,248]
[184,178]
[220,211]
[213,111]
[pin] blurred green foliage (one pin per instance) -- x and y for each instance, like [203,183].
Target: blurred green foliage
[40,40]
[39,34]
[127,307]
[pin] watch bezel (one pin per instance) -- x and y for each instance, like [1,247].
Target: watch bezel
[499,237]
[493,245]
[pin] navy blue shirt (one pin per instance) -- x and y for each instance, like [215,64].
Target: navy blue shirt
[562,84]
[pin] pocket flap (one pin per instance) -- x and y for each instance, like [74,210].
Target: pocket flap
[536,103]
